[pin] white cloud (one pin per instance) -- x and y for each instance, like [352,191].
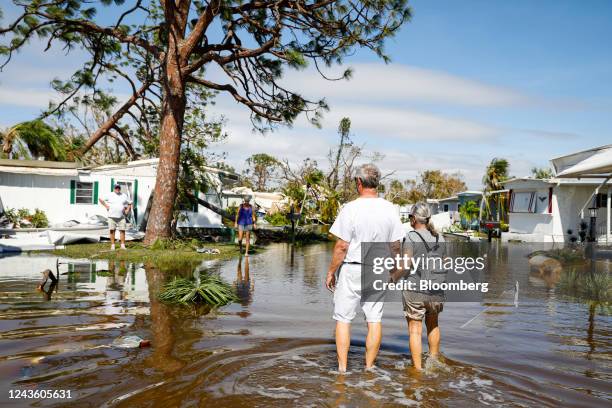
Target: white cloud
[34,98]
[396,82]
[375,120]
[408,124]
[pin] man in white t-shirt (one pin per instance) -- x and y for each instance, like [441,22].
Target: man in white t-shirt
[366,219]
[118,206]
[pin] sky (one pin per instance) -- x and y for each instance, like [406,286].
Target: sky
[469,81]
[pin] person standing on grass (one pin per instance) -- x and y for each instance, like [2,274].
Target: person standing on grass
[118,206]
[424,240]
[245,222]
[365,219]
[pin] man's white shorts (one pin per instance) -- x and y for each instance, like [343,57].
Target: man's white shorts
[347,297]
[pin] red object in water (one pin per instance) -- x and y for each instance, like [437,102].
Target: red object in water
[144,343]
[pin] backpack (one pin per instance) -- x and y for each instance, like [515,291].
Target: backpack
[436,273]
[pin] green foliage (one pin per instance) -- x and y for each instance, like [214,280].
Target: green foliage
[542,173]
[279,218]
[469,211]
[22,218]
[211,290]
[495,174]
[177,257]
[261,167]
[33,139]
[295,191]
[174,244]
[566,255]
[232,211]
[11,216]
[39,219]
[430,184]
[329,207]
[594,286]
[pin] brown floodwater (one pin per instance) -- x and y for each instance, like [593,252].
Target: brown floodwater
[275,347]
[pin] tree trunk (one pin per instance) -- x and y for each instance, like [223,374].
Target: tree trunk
[173,111]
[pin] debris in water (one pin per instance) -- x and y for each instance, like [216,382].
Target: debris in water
[210,251]
[127,342]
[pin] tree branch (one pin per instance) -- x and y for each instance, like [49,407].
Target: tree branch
[113,119]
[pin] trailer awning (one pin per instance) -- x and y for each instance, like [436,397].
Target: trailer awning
[593,163]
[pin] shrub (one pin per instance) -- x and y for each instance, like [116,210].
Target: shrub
[278,218]
[18,216]
[39,219]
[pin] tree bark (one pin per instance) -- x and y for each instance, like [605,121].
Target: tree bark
[173,112]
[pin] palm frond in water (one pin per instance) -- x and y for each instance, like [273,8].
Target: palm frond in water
[211,290]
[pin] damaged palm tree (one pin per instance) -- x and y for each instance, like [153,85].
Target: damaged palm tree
[207,289]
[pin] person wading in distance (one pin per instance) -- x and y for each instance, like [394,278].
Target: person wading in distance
[365,219]
[245,222]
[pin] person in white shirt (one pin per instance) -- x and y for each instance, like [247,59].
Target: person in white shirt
[118,206]
[365,219]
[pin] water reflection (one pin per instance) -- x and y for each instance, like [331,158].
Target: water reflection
[243,285]
[163,325]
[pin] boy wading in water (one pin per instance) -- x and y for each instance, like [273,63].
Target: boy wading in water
[423,240]
[245,222]
[366,219]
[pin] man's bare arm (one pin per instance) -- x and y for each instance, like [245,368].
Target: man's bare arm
[398,272]
[340,250]
[103,203]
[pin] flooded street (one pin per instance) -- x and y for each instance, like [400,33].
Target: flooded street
[275,347]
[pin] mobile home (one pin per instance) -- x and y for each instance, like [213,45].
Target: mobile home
[67,191]
[578,198]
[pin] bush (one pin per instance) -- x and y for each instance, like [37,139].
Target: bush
[278,218]
[39,219]
[23,218]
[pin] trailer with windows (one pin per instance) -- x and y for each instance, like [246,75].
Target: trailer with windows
[574,205]
[69,193]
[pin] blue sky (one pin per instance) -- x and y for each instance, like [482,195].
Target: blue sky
[469,81]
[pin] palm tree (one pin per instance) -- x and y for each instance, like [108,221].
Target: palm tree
[542,173]
[495,175]
[11,143]
[31,140]
[469,212]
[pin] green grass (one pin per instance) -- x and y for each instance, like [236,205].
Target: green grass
[567,255]
[596,286]
[170,255]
